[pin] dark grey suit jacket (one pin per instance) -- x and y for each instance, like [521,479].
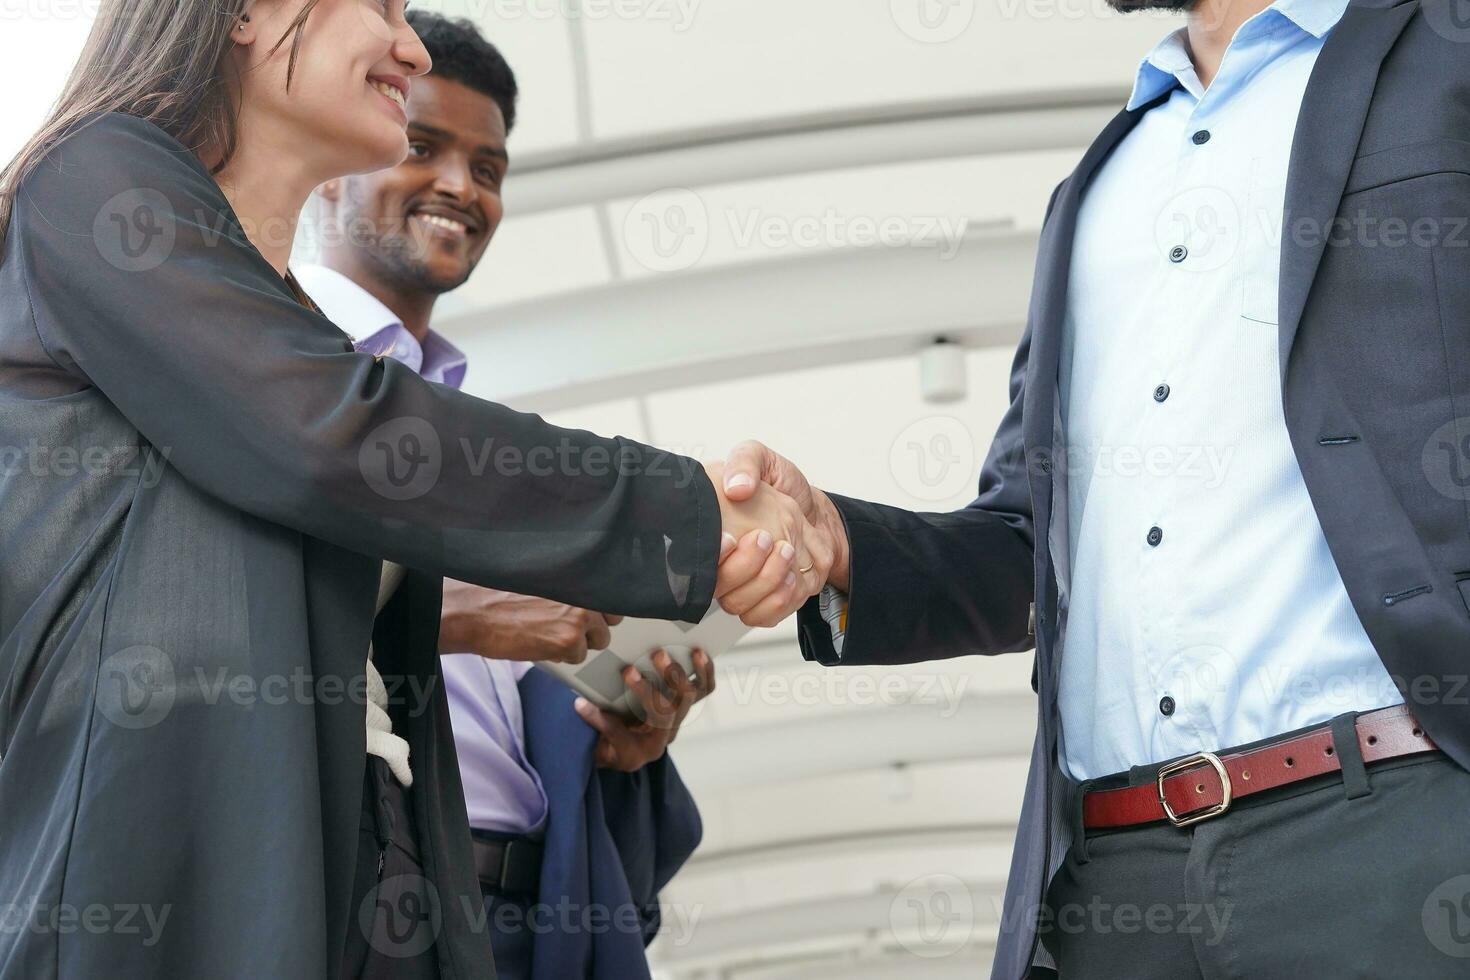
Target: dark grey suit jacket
[1375,362]
[200,479]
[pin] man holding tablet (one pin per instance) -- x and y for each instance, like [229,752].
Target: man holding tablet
[578,821]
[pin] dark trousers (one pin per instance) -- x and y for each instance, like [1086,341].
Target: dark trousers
[1362,874]
[396,909]
[510,935]
[510,921]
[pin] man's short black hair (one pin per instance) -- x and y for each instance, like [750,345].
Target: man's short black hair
[461,54]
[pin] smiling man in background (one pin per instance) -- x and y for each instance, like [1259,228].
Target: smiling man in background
[579,817]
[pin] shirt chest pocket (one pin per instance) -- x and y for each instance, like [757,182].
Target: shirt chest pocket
[1260,244]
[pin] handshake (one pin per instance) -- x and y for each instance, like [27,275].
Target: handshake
[783,539]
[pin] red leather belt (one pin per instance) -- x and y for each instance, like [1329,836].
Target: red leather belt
[1205,785]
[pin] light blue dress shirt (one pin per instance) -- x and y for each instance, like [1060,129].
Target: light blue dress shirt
[1204,609]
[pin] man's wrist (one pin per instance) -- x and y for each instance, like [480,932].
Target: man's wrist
[455,636]
[840,577]
[462,622]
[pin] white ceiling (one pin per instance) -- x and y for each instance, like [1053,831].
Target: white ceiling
[645,67]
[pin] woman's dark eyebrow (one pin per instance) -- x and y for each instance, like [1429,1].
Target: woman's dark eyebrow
[444,134]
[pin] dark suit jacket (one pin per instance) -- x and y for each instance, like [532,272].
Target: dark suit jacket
[192,541]
[1375,368]
[613,841]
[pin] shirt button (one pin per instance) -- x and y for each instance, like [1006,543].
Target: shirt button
[1178,254]
[1167,706]
[1155,536]
[1161,393]
[1202,137]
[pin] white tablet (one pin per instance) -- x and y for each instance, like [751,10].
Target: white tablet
[599,678]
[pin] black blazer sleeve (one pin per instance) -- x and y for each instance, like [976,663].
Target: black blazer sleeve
[142,283]
[934,586]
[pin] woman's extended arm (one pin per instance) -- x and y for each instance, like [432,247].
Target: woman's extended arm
[142,284]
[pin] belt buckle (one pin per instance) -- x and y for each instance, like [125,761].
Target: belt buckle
[1227,792]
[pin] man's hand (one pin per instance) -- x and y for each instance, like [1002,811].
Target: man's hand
[628,745]
[772,558]
[505,626]
[752,464]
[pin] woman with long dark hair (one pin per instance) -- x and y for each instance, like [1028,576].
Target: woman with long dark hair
[223,750]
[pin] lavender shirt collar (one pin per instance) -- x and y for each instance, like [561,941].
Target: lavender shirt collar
[377,330]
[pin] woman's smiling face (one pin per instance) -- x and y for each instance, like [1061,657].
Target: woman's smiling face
[347,93]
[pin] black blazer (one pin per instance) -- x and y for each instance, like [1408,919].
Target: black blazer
[1374,330]
[208,477]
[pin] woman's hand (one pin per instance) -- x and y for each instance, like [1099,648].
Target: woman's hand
[772,559]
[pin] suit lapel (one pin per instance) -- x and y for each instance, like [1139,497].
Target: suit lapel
[1333,113]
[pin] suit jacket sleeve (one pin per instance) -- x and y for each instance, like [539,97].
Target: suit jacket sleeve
[934,586]
[143,284]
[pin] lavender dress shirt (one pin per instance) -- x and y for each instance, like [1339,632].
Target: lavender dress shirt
[503,793]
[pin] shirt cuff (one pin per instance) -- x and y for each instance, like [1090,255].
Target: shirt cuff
[832,604]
